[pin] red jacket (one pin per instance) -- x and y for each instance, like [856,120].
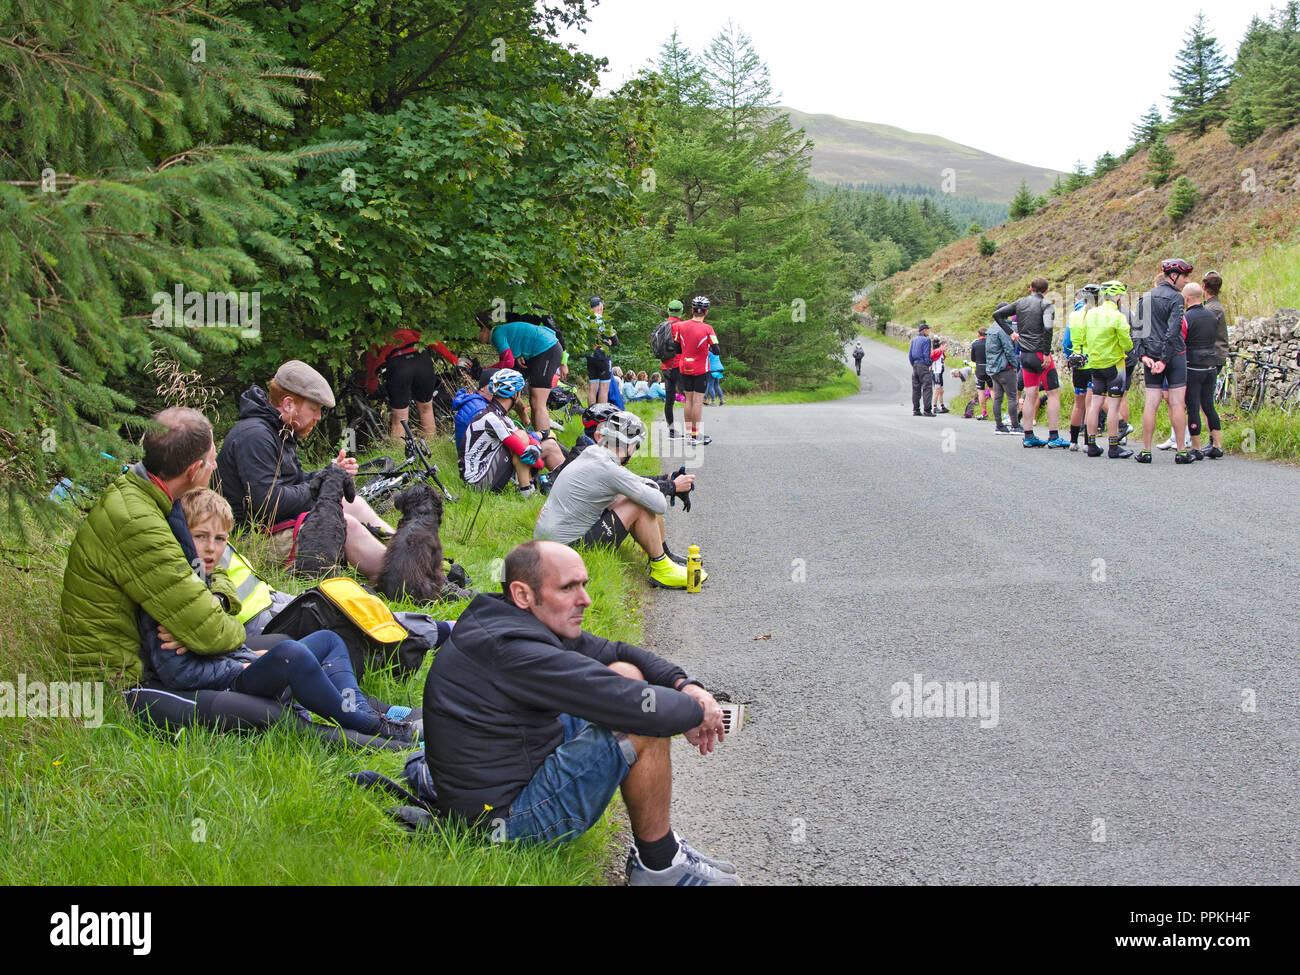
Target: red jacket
[403,338]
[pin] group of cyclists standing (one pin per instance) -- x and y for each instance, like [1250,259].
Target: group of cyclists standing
[1178,334]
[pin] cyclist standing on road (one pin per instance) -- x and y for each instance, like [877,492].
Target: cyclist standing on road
[1164,354]
[697,339]
[1034,318]
[671,373]
[1103,336]
[1080,371]
[1201,328]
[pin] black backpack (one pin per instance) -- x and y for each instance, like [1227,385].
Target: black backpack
[661,341]
[313,610]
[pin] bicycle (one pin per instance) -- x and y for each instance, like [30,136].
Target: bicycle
[360,417]
[563,404]
[1225,385]
[389,478]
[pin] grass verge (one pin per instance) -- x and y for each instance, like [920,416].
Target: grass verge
[118,805]
[845,384]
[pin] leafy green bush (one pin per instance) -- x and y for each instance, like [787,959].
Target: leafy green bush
[987,247]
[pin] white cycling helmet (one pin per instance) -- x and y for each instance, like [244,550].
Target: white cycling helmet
[623,429]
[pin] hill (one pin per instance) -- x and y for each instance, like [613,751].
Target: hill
[1243,225]
[849,151]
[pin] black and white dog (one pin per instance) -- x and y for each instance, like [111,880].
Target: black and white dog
[319,547]
[412,567]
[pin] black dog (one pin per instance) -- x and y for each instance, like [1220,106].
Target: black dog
[413,566]
[320,540]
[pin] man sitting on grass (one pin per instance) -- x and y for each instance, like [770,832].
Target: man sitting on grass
[533,723]
[598,501]
[125,556]
[495,449]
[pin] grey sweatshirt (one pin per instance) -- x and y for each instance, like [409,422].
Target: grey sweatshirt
[589,486]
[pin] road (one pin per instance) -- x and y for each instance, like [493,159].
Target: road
[1138,625]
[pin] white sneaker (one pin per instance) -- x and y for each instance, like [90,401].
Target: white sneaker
[688,870]
[1167,445]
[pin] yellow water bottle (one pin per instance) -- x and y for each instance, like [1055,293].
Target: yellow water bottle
[693,569]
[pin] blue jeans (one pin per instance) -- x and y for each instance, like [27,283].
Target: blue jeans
[569,792]
[713,388]
[318,670]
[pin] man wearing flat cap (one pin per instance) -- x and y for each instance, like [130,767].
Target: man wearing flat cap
[260,475]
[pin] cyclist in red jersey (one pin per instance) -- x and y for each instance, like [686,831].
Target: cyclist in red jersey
[672,376]
[410,375]
[697,339]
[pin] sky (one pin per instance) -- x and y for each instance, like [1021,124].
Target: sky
[1041,83]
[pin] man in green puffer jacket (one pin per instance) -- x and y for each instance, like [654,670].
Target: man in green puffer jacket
[125,556]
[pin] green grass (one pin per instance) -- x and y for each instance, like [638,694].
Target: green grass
[119,805]
[845,384]
[1262,284]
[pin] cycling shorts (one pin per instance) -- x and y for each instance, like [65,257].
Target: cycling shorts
[1108,381]
[1039,369]
[693,384]
[1129,369]
[1174,375]
[543,368]
[982,381]
[1081,376]
[598,367]
[608,530]
[409,377]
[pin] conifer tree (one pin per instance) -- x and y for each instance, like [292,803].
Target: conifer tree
[1022,204]
[118,186]
[1148,128]
[1200,78]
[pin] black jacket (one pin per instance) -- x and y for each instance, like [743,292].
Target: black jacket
[1202,331]
[496,688]
[977,355]
[1034,318]
[258,470]
[1160,312]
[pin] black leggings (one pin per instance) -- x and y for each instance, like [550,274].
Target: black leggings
[1200,396]
[318,671]
[670,394]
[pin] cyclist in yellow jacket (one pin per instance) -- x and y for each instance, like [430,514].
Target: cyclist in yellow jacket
[1103,339]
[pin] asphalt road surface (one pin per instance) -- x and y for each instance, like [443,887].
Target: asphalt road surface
[1138,626]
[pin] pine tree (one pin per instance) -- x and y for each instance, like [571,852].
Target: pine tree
[1182,199]
[1148,128]
[1160,164]
[1200,78]
[1243,127]
[1106,163]
[1276,88]
[120,187]
[1078,177]
[1022,204]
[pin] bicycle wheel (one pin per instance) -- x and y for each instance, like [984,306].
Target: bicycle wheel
[1291,399]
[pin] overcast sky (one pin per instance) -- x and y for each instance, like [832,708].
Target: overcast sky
[971,73]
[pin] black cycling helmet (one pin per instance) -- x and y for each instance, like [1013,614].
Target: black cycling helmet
[1175,265]
[597,413]
[699,303]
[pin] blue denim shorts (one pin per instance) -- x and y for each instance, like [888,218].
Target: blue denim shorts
[569,792]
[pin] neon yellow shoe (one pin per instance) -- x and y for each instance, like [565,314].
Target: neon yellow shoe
[667,574]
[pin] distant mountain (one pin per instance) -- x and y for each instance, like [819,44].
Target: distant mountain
[847,151]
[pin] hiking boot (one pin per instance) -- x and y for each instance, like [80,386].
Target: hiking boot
[1000,430]
[667,574]
[1058,443]
[1119,453]
[1144,457]
[1214,453]
[1035,442]
[1183,457]
[1094,450]
[407,732]
[1167,445]
[688,869]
